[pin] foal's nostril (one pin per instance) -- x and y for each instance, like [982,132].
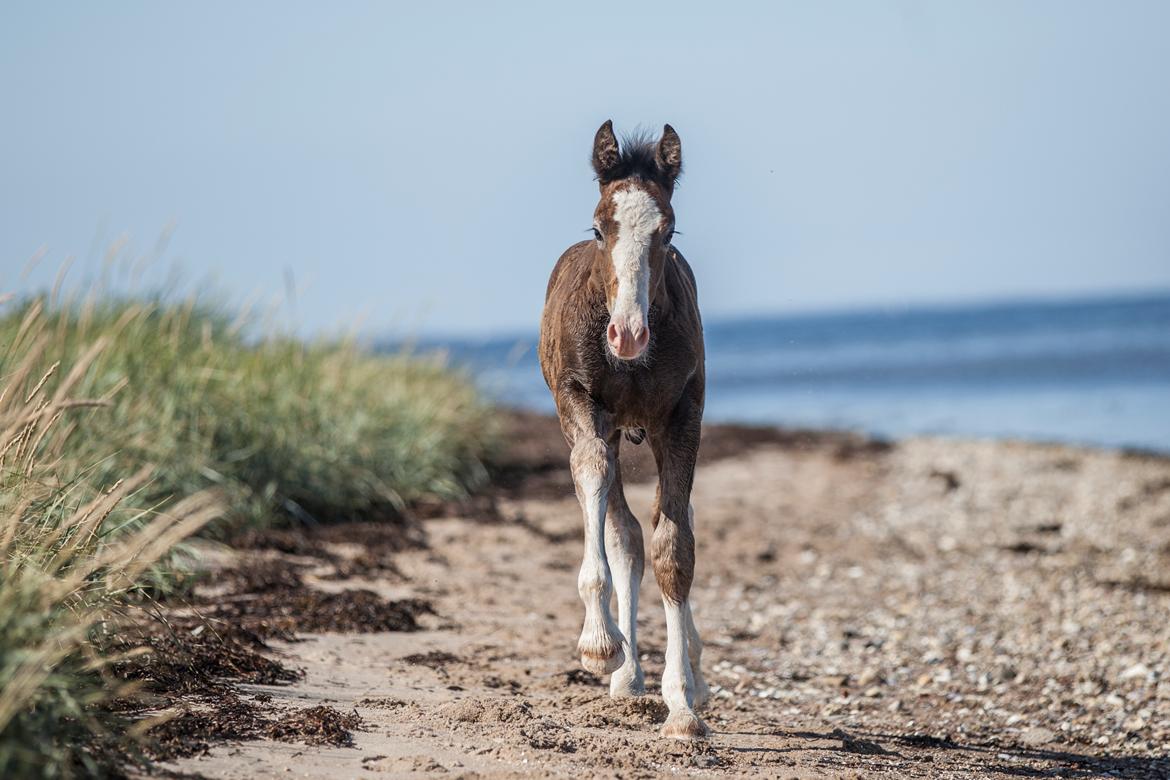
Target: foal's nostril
[627,342]
[614,336]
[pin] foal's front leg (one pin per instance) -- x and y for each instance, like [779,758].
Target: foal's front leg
[673,549]
[674,563]
[600,645]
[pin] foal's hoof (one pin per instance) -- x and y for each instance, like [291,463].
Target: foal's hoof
[684,725]
[602,660]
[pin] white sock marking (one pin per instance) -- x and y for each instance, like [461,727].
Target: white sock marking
[628,679]
[678,687]
[593,582]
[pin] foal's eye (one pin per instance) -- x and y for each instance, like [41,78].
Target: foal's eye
[666,239]
[597,235]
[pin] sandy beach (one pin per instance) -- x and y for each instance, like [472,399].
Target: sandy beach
[925,608]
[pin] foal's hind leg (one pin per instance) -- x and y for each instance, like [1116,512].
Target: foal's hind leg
[673,549]
[623,546]
[592,463]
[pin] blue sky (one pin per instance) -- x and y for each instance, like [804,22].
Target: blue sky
[419,167]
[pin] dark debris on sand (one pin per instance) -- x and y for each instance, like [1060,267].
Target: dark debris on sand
[378,543]
[314,611]
[193,659]
[319,725]
[274,601]
[187,655]
[192,731]
[194,668]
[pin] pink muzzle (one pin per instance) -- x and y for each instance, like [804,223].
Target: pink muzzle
[627,340]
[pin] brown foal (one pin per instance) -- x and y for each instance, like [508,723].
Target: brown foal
[621,348]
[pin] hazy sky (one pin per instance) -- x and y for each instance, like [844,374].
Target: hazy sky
[422,165]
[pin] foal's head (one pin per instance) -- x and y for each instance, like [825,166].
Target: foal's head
[633,225]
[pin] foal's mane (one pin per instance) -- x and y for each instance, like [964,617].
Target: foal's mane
[638,157]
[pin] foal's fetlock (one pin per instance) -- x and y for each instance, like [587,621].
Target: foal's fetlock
[601,651]
[701,692]
[684,725]
[627,681]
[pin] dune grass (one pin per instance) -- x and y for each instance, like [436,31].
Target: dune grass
[126,426]
[287,431]
[72,553]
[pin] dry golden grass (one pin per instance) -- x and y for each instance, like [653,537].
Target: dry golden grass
[72,557]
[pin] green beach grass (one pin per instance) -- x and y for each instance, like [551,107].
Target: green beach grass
[287,431]
[127,426]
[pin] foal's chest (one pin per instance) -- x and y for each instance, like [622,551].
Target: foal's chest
[641,395]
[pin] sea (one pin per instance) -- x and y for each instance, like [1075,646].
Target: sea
[1092,371]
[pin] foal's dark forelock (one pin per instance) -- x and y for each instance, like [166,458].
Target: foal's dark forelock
[638,155]
[637,158]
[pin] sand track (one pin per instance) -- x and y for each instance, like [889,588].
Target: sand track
[941,609]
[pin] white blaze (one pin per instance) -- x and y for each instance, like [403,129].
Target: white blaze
[637,217]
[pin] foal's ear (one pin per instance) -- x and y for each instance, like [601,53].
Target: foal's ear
[605,151]
[669,154]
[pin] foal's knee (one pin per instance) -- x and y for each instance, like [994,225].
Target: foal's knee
[591,465]
[593,582]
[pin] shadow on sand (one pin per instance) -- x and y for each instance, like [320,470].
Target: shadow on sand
[976,758]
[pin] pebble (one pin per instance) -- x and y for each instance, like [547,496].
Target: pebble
[1136,671]
[1037,735]
[1133,723]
